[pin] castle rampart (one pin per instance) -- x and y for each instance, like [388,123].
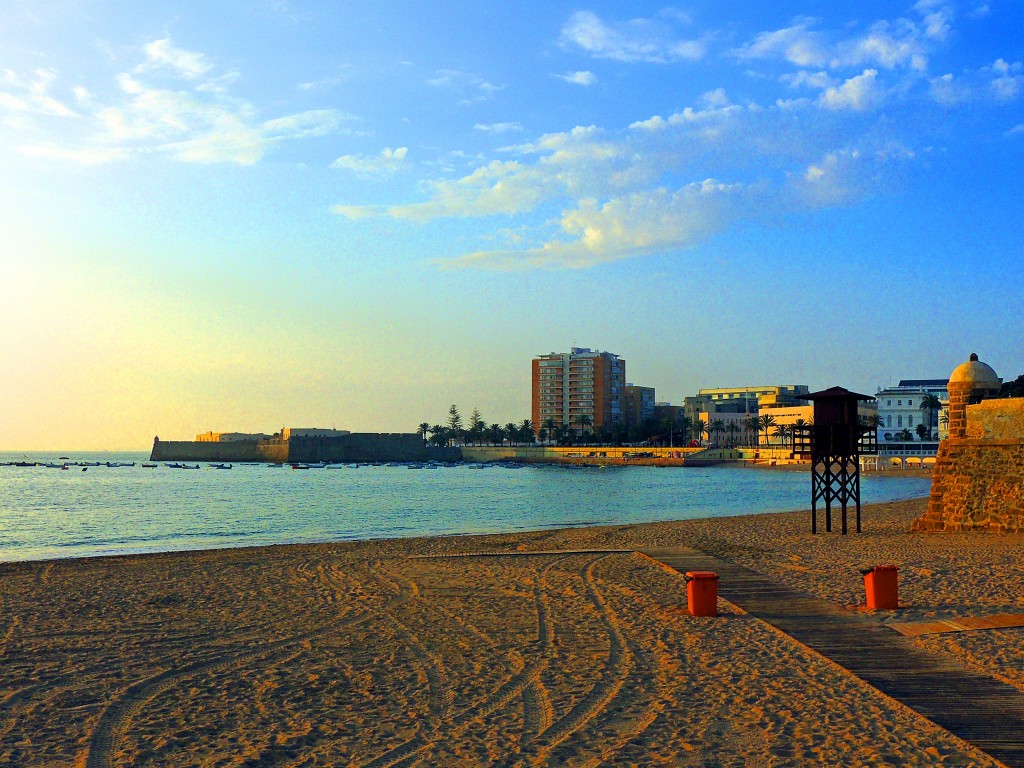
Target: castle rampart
[978,480]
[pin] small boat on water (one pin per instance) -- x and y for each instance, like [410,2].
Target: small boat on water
[194,466]
[174,466]
[148,465]
[24,464]
[300,466]
[220,466]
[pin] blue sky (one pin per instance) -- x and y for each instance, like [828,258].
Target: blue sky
[246,215]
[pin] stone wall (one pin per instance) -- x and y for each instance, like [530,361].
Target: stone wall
[345,448]
[368,446]
[188,450]
[978,480]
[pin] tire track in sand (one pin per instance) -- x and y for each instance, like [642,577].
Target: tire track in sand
[115,718]
[616,670]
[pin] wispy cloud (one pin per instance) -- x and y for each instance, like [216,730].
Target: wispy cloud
[32,94]
[162,53]
[366,166]
[636,40]
[888,44]
[189,115]
[584,78]
[469,87]
[498,127]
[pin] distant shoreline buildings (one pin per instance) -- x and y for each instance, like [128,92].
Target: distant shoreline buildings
[585,391]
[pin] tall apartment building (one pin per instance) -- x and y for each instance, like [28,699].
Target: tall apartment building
[639,404]
[581,383]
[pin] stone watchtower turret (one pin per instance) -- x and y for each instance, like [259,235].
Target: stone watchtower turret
[978,483]
[969,383]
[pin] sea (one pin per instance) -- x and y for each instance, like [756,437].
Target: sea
[108,510]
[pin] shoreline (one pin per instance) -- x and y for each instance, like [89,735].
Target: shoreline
[356,652]
[413,538]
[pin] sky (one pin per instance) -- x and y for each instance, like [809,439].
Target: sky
[239,216]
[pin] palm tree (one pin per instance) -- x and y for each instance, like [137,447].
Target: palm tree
[439,435]
[512,433]
[550,425]
[733,429]
[716,428]
[904,434]
[700,428]
[765,423]
[497,434]
[932,405]
[422,430]
[583,421]
[685,424]
[923,431]
[782,431]
[543,434]
[526,433]
[752,425]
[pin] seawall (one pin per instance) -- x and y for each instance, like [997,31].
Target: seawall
[345,448]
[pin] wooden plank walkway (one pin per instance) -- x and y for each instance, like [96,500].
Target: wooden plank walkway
[979,709]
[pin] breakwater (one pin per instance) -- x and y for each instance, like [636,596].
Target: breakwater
[360,446]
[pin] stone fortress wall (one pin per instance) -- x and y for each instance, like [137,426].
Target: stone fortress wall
[346,448]
[978,480]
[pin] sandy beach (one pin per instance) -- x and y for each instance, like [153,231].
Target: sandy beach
[396,653]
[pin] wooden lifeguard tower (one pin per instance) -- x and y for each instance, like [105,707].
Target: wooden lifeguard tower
[836,438]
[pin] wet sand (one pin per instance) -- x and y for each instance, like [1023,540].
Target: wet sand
[370,654]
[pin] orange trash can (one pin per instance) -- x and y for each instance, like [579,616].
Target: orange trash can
[702,593]
[880,586]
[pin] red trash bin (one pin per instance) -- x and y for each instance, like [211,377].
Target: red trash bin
[702,593]
[881,587]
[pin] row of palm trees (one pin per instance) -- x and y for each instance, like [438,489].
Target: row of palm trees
[477,431]
[680,431]
[750,431]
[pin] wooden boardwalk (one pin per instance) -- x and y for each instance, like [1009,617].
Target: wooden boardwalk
[979,709]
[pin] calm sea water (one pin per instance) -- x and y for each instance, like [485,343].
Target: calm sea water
[47,513]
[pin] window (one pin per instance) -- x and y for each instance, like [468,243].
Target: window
[888,402]
[899,421]
[888,422]
[899,403]
[910,402]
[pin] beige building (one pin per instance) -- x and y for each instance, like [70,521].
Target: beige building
[231,437]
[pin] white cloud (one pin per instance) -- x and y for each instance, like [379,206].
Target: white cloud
[859,93]
[888,45]
[937,16]
[798,45]
[579,78]
[817,80]
[187,64]
[979,12]
[633,225]
[646,40]
[596,196]
[1007,81]
[948,92]
[33,95]
[384,164]
[472,88]
[198,123]
[498,127]
[897,44]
